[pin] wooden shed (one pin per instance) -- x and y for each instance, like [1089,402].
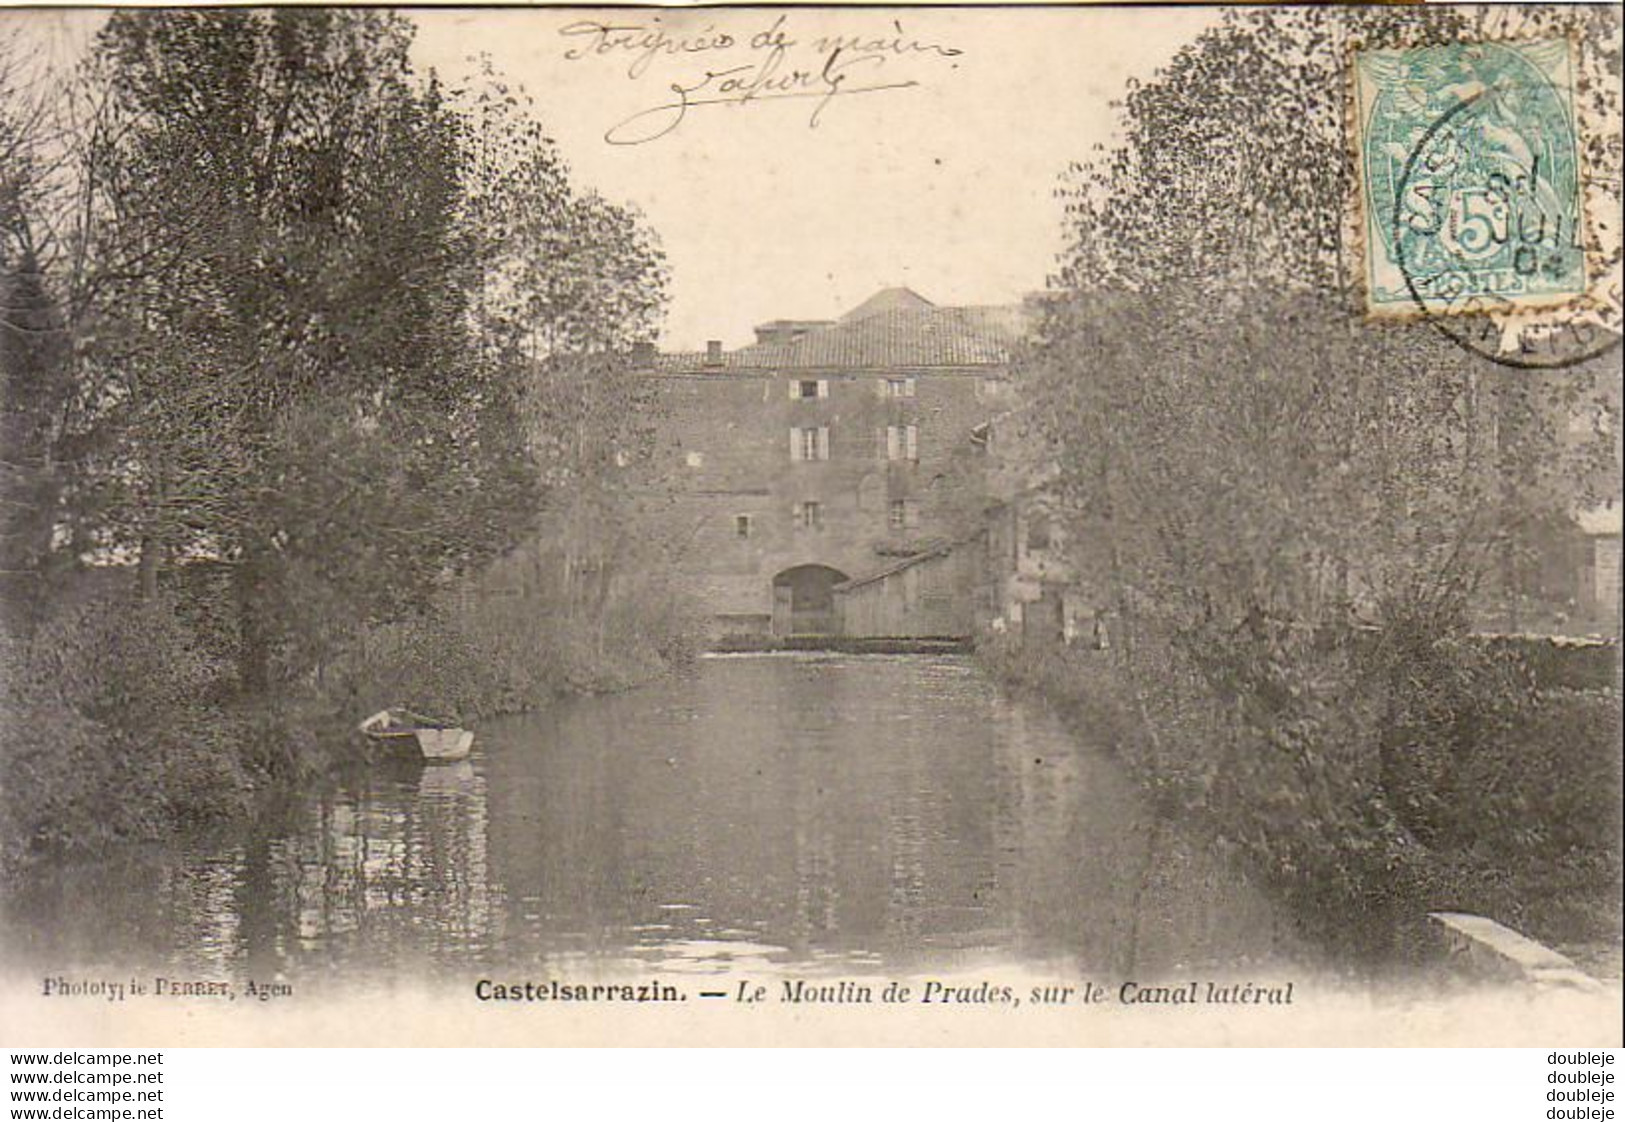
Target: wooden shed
[931,595]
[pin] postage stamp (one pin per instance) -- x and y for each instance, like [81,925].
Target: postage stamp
[1470,178]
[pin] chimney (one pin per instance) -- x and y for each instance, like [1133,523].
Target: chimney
[778,331]
[713,352]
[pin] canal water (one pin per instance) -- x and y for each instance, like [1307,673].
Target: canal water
[845,814]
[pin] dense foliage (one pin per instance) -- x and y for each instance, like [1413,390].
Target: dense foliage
[296,342]
[1294,518]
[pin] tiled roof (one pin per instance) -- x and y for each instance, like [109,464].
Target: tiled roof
[898,338]
[694,362]
[895,328]
[888,300]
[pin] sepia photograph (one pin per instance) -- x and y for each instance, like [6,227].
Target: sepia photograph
[1070,525]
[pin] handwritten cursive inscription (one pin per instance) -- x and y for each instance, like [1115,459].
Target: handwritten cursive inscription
[768,65]
[644,43]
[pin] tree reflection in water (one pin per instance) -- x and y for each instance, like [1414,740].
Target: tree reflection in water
[847,814]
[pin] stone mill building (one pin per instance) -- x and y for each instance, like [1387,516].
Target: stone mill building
[824,475]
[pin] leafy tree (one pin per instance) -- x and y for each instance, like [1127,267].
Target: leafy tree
[351,331]
[278,234]
[1209,258]
[1249,473]
[570,284]
[33,372]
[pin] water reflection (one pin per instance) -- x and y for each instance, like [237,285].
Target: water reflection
[822,812]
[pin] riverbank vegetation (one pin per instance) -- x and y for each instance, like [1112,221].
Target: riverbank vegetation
[1364,806]
[297,345]
[1291,520]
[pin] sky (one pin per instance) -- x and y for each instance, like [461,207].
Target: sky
[944,182]
[946,186]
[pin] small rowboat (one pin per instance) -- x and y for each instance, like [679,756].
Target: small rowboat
[437,740]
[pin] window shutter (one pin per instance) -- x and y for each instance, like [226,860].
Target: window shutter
[893,451]
[908,387]
[880,388]
[794,387]
[823,387]
[911,513]
[823,442]
[914,442]
[795,445]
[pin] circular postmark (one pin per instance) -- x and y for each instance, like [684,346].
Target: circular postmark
[1487,229]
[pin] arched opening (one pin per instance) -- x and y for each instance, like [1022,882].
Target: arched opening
[804,600]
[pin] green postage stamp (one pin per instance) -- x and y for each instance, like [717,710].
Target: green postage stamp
[1470,181]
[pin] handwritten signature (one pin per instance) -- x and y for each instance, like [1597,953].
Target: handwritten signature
[772,70]
[765,81]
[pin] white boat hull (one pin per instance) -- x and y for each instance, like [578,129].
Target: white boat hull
[445,744]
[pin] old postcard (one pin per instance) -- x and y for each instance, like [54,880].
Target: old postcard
[1063,525]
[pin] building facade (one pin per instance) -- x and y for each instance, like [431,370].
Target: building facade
[827,453]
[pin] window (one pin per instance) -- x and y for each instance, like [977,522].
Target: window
[897,514]
[809,515]
[809,443]
[808,388]
[899,387]
[902,442]
[741,525]
[1038,533]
